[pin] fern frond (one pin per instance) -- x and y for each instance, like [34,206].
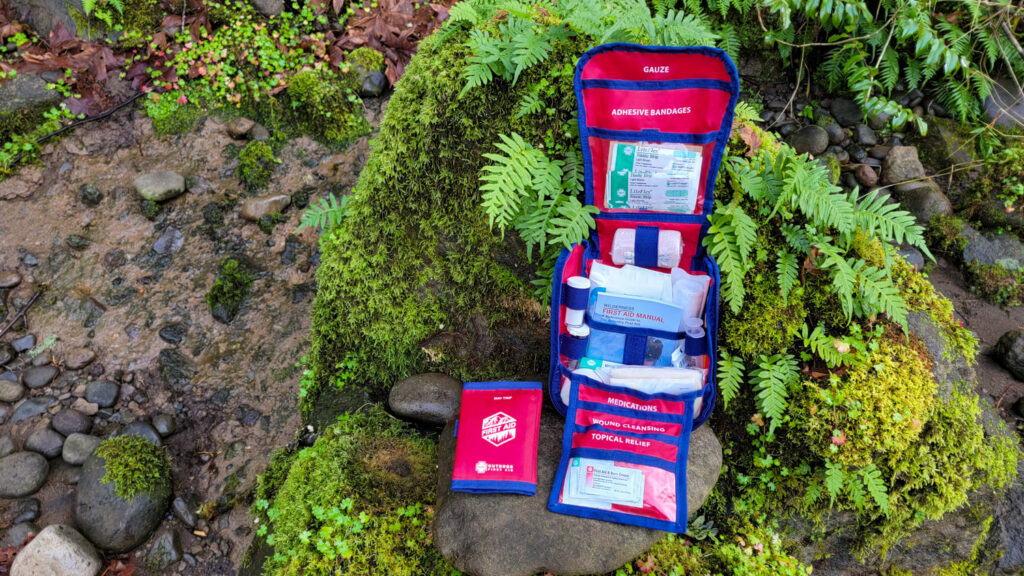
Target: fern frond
[730,239]
[787,270]
[88,6]
[834,478]
[573,223]
[508,179]
[771,380]
[730,376]
[876,486]
[325,214]
[834,351]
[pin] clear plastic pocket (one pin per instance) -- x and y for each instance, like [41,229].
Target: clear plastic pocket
[623,487]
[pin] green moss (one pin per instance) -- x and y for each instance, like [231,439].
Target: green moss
[256,164]
[139,19]
[752,552]
[366,58]
[267,223]
[996,284]
[149,208]
[325,105]
[356,503]
[416,251]
[169,116]
[229,290]
[135,466]
[767,323]
[880,406]
[944,235]
[921,296]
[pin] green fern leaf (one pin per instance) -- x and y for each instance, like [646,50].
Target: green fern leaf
[787,269]
[730,376]
[326,214]
[855,489]
[876,486]
[573,223]
[88,6]
[834,478]
[771,380]
[508,179]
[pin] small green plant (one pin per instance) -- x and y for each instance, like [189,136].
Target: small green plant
[268,222]
[19,147]
[325,214]
[106,11]
[256,164]
[327,107]
[172,113]
[135,466]
[229,290]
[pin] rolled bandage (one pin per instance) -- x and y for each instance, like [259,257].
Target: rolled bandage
[626,251]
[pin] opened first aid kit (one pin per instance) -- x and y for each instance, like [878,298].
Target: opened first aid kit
[634,307]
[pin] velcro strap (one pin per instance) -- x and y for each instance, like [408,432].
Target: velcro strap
[574,298]
[645,247]
[570,347]
[635,349]
[695,346]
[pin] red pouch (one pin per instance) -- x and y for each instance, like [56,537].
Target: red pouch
[497,433]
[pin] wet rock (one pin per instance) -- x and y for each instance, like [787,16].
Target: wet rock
[835,132]
[259,133]
[24,344]
[160,186]
[811,138]
[292,245]
[902,164]
[142,430]
[472,530]
[6,446]
[58,550]
[1005,105]
[947,143]
[42,360]
[846,112]
[925,200]
[184,509]
[177,369]
[866,175]
[164,424]
[9,279]
[26,91]
[85,407]
[372,83]
[879,121]
[39,376]
[78,448]
[865,136]
[114,259]
[1001,249]
[949,368]
[255,208]
[18,533]
[111,522]
[89,195]
[428,398]
[70,421]
[6,353]
[77,242]
[169,242]
[1009,352]
[8,376]
[912,255]
[103,393]
[78,359]
[46,442]
[174,333]
[239,127]
[1018,409]
[21,474]
[164,551]
[24,510]
[32,407]
[11,391]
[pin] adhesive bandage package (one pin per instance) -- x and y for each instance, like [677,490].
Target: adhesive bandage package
[634,306]
[496,438]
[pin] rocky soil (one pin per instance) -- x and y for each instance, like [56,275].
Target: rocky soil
[120,338]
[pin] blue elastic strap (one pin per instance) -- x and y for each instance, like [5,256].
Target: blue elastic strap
[635,349]
[574,298]
[646,246]
[574,348]
[695,346]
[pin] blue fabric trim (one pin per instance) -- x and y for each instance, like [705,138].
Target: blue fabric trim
[494,487]
[705,83]
[579,429]
[635,350]
[572,347]
[653,136]
[645,246]
[575,298]
[554,374]
[645,332]
[695,346]
[643,396]
[502,386]
[455,433]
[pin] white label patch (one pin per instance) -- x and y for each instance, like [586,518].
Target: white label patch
[498,428]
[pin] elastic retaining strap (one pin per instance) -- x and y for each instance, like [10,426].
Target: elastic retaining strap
[574,348]
[574,298]
[635,349]
[646,246]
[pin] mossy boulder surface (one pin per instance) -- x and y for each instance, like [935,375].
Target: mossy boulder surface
[415,280]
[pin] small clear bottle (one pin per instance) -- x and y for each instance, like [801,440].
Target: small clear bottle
[580,332]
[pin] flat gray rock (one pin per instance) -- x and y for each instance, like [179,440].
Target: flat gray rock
[160,186]
[26,91]
[78,448]
[46,442]
[428,398]
[70,421]
[103,393]
[31,407]
[513,535]
[11,391]
[255,208]
[1005,104]
[39,376]
[21,474]
[58,550]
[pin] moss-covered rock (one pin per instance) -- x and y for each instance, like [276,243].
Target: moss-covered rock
[229,290]
[415,280]
[256,164]
[172,113]
[325,105]
[135,466]
[355,503]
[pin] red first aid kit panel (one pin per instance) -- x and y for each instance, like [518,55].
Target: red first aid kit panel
[496,438]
